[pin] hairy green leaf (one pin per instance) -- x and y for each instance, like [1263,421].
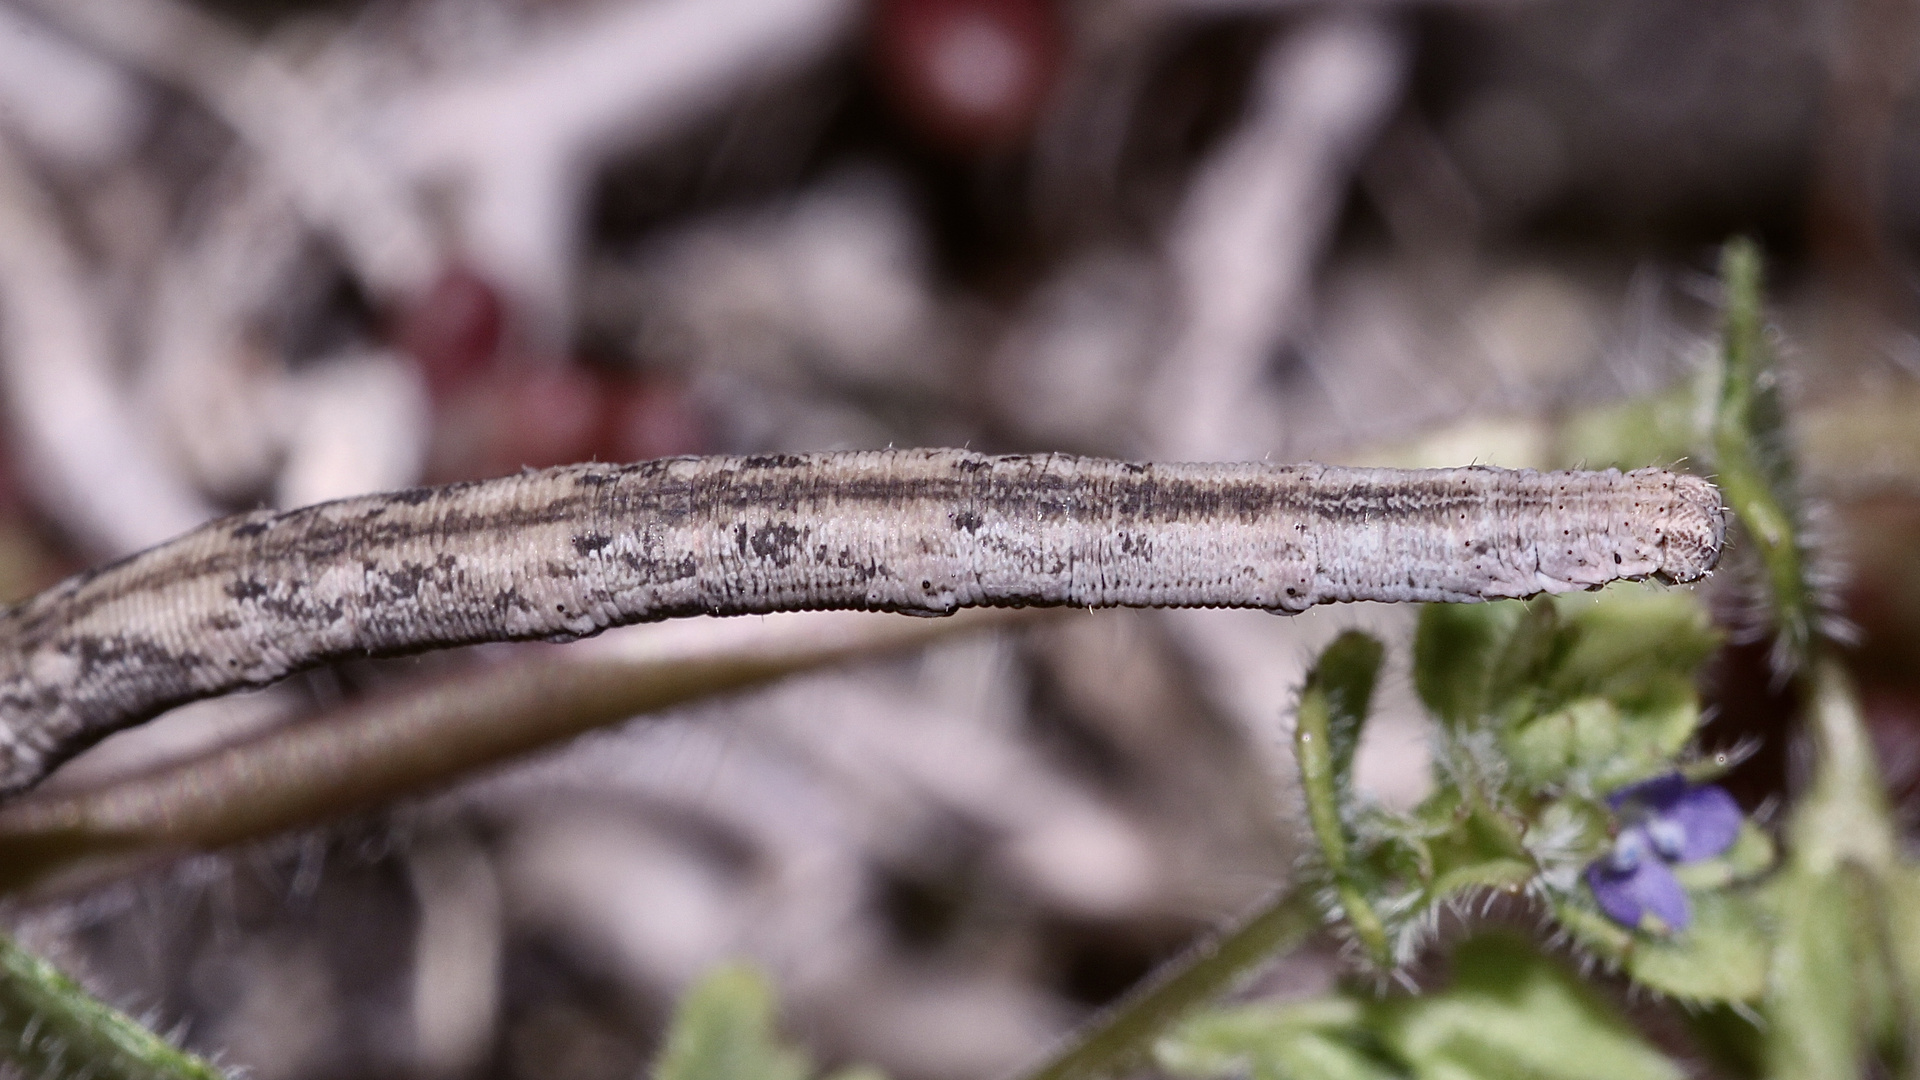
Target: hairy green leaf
[1628,639]
[1341,686]
[1722,956]
[1512,1013]
[1483,850]
[1509,1013]
[1595,690]
[1333,709]
[1523,664]
[1583,735]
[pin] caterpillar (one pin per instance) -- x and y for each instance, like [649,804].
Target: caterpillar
[564,553]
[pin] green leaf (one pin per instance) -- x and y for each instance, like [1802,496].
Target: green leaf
[1617,700]
[1815,1002]
[1598,687]
[1594,691]
[1586,734]
[723,1030]
[1484,850]
[1522,664]
[1505,875]
[1509,1013]
[1320,1039]
[1317,1056]
[1630,644]
[1512,1013]
[1722,956]
[1333,709]
[1344,679]
[1900,908]
[1656,430]
[1843,815]
[1751,855]
[1454,653]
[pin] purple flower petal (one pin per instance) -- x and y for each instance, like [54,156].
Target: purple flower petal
[1655,794]
[1648,889]
[1686,822]
[1709,821]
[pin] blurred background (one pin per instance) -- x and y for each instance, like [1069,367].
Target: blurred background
[256,252]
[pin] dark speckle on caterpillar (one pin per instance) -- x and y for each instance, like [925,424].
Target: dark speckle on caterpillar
[571,551]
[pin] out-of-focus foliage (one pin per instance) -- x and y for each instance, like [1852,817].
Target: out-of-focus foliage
[724,1030]
[1508,1014]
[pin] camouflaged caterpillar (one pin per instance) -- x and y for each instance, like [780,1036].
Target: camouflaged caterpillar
[568,552]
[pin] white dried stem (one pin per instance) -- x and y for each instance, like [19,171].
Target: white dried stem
[568,552]
[338,182]
[72,108]
[1254,224]
[519,141]
[88,456]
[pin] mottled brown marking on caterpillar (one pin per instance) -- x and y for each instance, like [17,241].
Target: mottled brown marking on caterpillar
[569,552]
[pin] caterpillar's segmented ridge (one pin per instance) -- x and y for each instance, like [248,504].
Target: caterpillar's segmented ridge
[571,551]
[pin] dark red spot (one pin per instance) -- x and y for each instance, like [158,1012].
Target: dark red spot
[649,418]
[527,416]
[454,331]
[969,75]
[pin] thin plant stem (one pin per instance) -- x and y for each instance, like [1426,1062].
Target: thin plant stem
[51,1027]
[421,738]
[1753,463]
[1126,1032]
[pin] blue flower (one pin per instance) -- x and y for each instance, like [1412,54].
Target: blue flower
[1664,821]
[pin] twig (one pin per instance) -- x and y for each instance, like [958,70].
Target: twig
[426,736]
[568,552]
